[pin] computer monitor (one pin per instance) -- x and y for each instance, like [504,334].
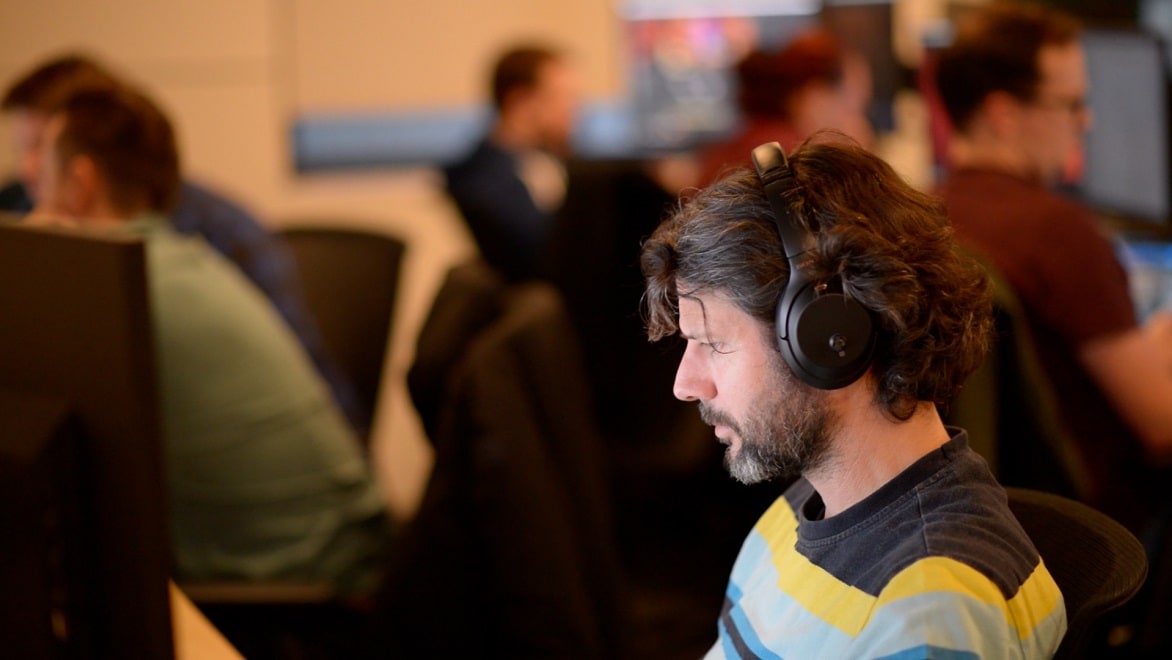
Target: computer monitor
[1127,169]
[681,57]
[868,27]
[84,554]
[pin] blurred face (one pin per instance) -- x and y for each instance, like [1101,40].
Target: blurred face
[773,425]
[555,104]
[28,129]
[1054,121]
[842,107]
[55,193]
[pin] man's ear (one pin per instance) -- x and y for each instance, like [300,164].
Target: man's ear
[86,186]
[1002,112]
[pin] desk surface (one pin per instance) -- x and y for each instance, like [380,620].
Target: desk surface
[195,637]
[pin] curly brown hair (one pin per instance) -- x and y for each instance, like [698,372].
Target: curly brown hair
[891,245]
[768,81]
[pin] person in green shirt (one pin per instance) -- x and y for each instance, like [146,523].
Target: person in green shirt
[266,479]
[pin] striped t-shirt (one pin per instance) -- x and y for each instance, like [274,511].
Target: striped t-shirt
[932,565]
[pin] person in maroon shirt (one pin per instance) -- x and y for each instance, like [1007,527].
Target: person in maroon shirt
[1014,85]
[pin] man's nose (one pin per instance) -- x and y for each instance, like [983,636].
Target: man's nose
[692,380]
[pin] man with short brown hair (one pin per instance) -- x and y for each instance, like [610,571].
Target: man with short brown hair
[1014,83]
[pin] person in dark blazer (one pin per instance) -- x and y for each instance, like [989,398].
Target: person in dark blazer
[509,187]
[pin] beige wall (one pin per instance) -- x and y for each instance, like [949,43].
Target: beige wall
[235,73]
[371,54]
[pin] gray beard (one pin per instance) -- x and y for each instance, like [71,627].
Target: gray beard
[787,433]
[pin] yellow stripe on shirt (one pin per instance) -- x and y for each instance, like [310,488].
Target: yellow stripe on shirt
[849,609]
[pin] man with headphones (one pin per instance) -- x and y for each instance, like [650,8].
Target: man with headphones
[826,313]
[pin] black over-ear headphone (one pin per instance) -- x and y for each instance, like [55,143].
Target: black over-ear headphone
[827,338]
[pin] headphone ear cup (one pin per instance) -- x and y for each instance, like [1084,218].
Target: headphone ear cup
[829,338]
[826,338]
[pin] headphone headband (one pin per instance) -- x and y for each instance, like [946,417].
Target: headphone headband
[777,179]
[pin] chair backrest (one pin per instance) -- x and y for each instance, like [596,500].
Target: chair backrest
[350,279]
[471,297]
[1010,409]
[1098,564]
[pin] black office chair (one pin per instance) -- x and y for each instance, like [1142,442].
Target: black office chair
[350,279]
[1010,409]
[1098,564]
[471,297]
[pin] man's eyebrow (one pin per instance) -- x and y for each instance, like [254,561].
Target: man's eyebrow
[704,336]
[707,338]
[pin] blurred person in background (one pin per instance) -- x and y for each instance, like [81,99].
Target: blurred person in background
[1014,84]
[510,186]
[230,229]
[265,478]
[814,82]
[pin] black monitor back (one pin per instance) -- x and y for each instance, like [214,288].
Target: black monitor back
[85,555]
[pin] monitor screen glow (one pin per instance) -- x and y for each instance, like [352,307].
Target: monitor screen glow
[1126,168]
